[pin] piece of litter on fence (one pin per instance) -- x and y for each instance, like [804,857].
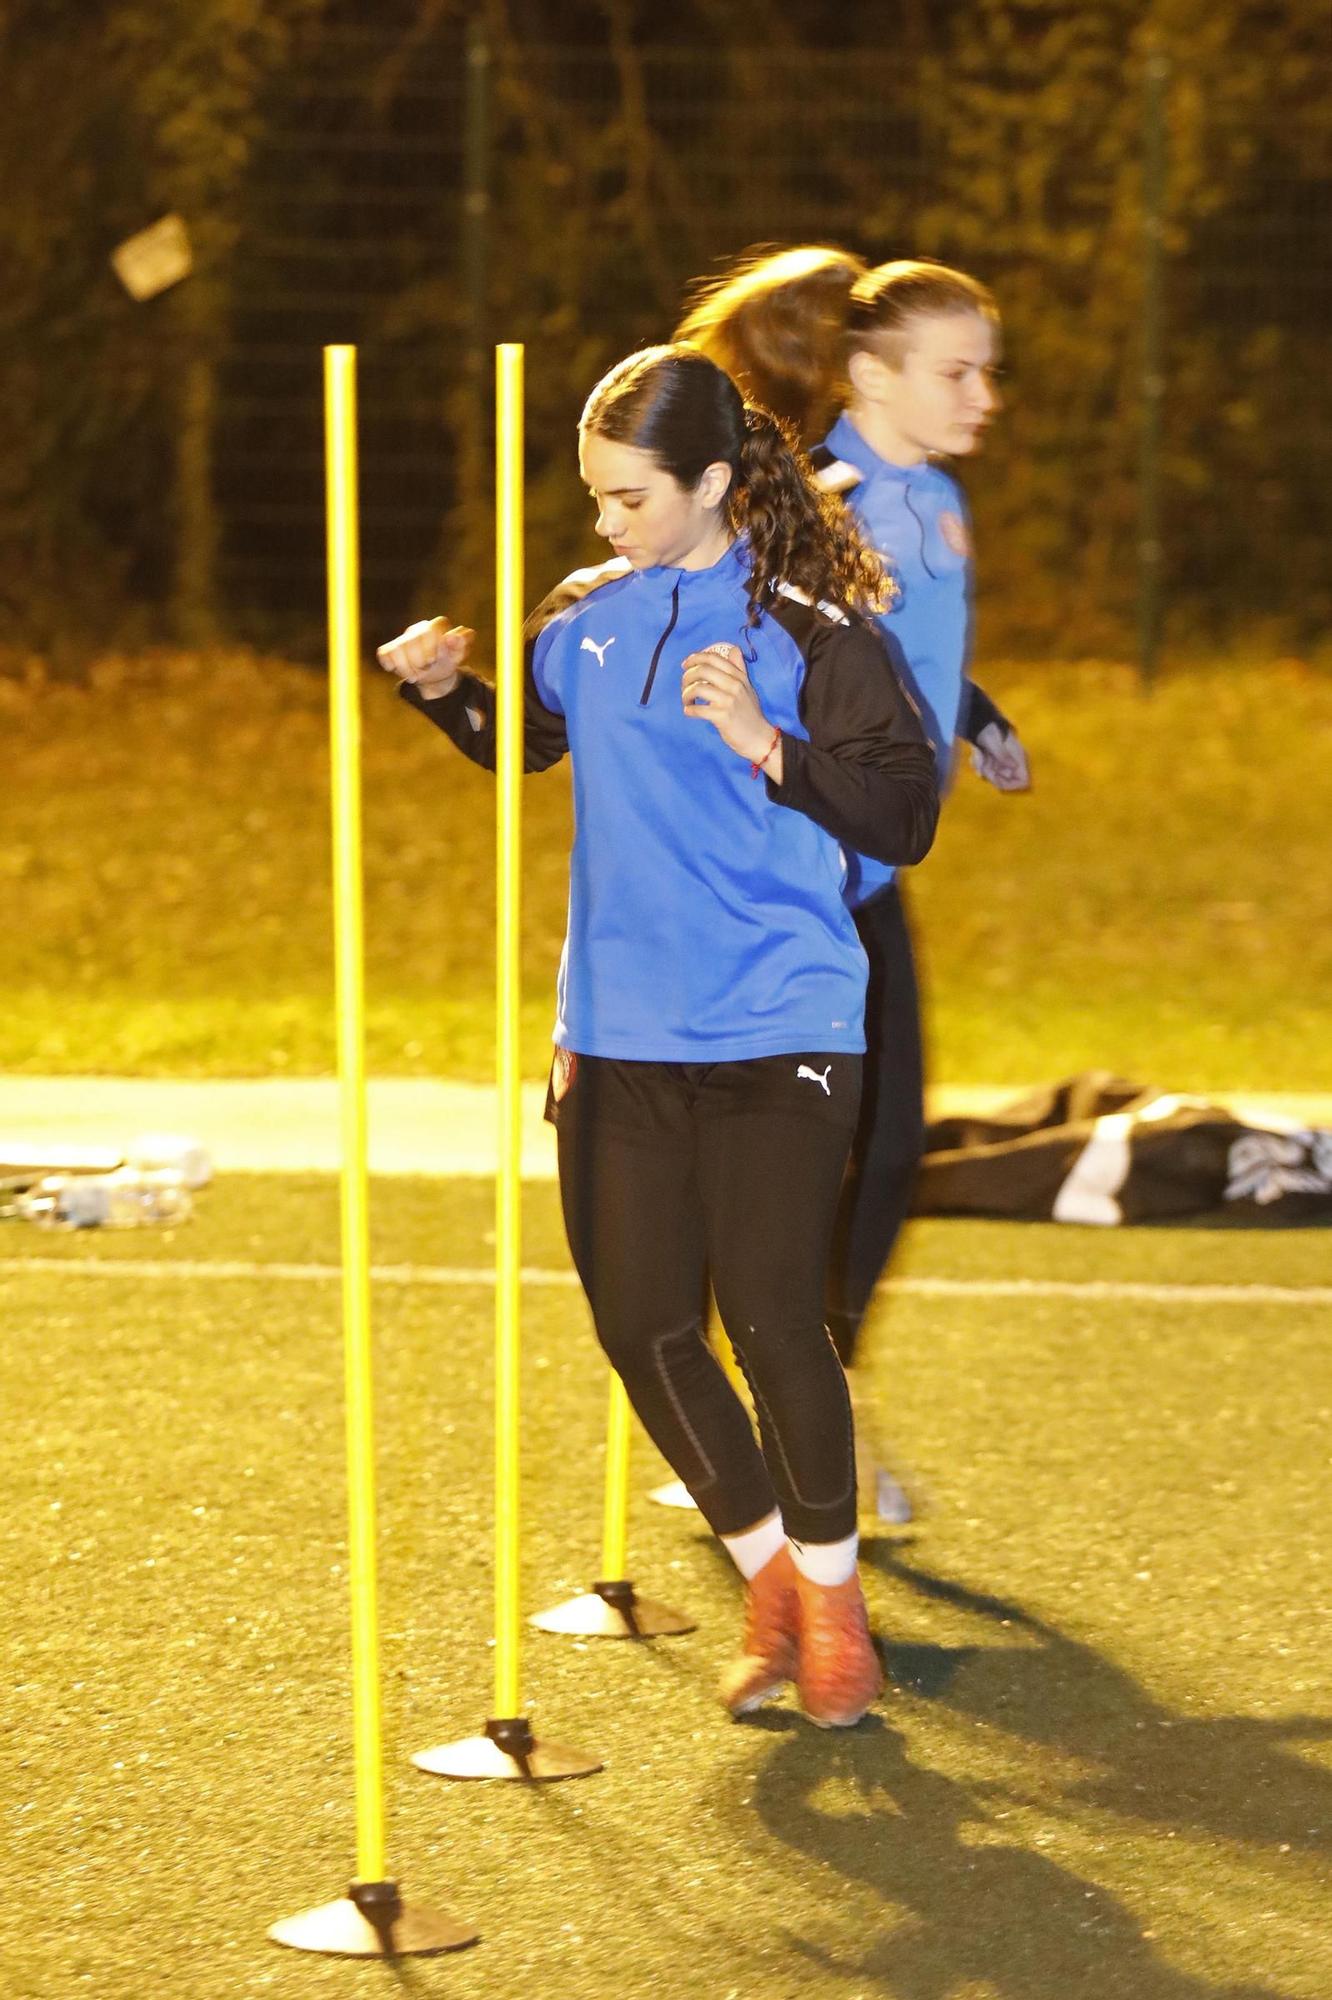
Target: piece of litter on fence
[155,258]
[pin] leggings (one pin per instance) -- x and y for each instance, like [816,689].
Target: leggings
[671,1173]
[886,1149]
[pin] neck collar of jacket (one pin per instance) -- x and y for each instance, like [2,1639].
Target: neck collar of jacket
[849,444]
[730,568]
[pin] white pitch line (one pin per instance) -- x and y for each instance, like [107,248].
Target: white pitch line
[384,1274]
[461,1275]
[1109,1288]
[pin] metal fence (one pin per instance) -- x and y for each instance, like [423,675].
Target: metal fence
[1166,454]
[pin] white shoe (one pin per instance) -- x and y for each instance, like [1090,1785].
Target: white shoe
[880,1494]
[891,1501]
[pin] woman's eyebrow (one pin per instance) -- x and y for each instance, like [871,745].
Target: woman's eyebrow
[616,492]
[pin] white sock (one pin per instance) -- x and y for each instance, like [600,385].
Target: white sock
[826,1562]
[754,1549]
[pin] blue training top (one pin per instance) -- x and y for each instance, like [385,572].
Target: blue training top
[706,914]
[916,518]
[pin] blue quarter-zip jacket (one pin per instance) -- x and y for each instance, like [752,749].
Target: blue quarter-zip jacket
[916,518]
[706,916]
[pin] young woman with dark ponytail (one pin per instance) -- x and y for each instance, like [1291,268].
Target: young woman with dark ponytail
[882,372]
[724,695]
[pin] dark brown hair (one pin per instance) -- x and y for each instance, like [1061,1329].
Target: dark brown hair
[679,406]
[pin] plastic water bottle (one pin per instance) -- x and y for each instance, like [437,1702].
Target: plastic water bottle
[126,1199]
[170,1153]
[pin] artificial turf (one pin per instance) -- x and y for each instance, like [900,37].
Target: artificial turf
[1104,1766]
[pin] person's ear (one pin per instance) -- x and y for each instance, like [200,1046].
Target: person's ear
[715,483]
[871,376]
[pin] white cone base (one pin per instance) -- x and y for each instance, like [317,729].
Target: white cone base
[340,1930]
[884,1502]
[590,1617]
[479,1757]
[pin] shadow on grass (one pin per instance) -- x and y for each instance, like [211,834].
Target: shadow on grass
[970,1906]
[968,1902]
[1228,1775]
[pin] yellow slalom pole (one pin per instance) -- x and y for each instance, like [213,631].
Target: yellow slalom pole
[674,1493]
[345,724]
[615,1519]
[371,1920]
[730,1366]
[613,1609]
[508,852]
[615,1511]
[508,1748]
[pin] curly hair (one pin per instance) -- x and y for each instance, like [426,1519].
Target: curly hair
[798,533]
[679,406]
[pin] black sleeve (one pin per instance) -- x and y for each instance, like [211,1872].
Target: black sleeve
[977,712]
[467,717]
[867,775]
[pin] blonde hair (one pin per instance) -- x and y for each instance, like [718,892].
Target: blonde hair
[884,302]
[775,323]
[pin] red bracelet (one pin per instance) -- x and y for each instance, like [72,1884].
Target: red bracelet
[756,767]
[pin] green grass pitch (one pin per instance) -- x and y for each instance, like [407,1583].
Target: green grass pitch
[1103,1770]
[1158,905]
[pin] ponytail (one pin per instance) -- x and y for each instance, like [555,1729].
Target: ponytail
[785,325]
[776,324]
[677,404]
[797,533]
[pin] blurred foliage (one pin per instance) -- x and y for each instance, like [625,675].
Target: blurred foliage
[82,454]
[192,72]
[1038,115]
[162,464]
[116,113]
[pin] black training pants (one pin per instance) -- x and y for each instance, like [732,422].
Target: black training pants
[671,1173]
[885,1152]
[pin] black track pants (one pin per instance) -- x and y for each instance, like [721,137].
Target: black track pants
[885,1152]
[671,1173]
